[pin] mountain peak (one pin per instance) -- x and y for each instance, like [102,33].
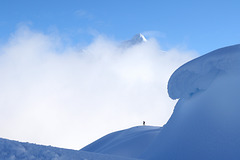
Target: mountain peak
[136,39]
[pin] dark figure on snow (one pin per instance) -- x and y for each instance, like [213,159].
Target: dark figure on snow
[144,123]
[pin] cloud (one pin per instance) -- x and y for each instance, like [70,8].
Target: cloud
[83,14]
[67,96]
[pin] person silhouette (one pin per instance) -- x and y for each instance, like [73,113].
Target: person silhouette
[144,123]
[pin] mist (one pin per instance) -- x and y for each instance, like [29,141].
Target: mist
[68,96]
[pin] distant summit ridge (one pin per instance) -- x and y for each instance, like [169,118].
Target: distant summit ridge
[136,39]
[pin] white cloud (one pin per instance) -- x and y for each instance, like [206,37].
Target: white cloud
[68,97]
[83,14]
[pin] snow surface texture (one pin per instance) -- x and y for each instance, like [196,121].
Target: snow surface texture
[129,143]
[13,150]
[198,74]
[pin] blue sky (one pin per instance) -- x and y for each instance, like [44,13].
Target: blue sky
[198,25]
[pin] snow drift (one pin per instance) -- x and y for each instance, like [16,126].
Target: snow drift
[205,123]
[13,150]
[128,143]
[198,74]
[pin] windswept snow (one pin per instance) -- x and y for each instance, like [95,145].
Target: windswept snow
[128,143]
[199,73]
[205,123]
[13,150]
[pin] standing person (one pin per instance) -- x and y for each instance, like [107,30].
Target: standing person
[144,123]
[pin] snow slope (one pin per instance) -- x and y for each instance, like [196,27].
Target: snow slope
[128,143]
[205,123]
[13,150]
[199,73]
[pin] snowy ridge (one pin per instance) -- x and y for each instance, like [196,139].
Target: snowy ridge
[199,73]
[205,123]
[131,142]
[13,150]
